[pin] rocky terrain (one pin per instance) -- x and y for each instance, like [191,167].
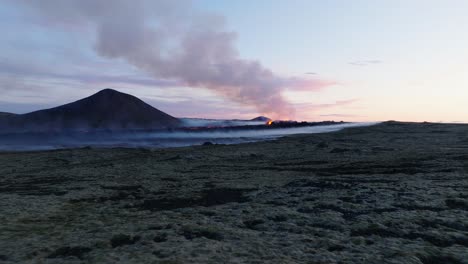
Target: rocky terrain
[391,193]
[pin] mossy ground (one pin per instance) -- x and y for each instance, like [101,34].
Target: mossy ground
[390,193]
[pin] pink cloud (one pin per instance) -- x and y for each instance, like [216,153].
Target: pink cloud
[315,107]
[297,84]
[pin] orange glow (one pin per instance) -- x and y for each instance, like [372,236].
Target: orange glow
[269,122]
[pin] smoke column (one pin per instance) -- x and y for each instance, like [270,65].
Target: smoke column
[169,39]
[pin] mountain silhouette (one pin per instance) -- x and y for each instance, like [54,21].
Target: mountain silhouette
[261,118]
[106,110]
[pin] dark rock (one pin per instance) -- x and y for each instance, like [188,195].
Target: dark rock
[438,241]
[156,227]
[254,223]
[306,210]
[121,240]
[374,230]
[160,238]
[162,253]
[170,179]
[339,150]
[277,202]
[122,187]
[197,232]
[210,197]
[382,149]
[207,143]
[169,226]
[457,204]
[322,145]
[310,199]
[368,168]
[336,248]
[279,218]
[328,226]
[439,258]
[176,157]
[70,252]
[418,207]
[317,184]
[59,193]
[208,213]
[347,199]
[218,196]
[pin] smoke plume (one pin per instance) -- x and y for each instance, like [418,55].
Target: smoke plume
[172,40]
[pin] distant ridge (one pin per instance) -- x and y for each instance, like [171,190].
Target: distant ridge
[261,118]
[107,110]
[6,114]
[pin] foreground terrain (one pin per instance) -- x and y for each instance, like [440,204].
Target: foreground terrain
[391,193]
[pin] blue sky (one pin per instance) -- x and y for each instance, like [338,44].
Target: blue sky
[374,60]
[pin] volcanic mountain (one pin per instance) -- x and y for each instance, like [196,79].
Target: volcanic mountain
[261,118]
[105,110]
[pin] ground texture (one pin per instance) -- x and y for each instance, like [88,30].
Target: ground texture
[391,193]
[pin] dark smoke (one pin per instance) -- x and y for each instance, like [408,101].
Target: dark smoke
[171,40]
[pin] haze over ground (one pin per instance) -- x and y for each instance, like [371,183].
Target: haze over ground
[361,60]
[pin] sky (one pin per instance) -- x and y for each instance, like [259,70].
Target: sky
[358,60]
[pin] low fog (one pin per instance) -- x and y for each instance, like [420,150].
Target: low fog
[200,122]
[49,141]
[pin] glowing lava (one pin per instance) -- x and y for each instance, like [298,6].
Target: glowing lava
[270,122]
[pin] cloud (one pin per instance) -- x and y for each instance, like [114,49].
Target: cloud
[299,84]
[22,108]
[312,106]
[172,42]
[19,70]
[312,111]
[365,62]
[202,108]
[338,115]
